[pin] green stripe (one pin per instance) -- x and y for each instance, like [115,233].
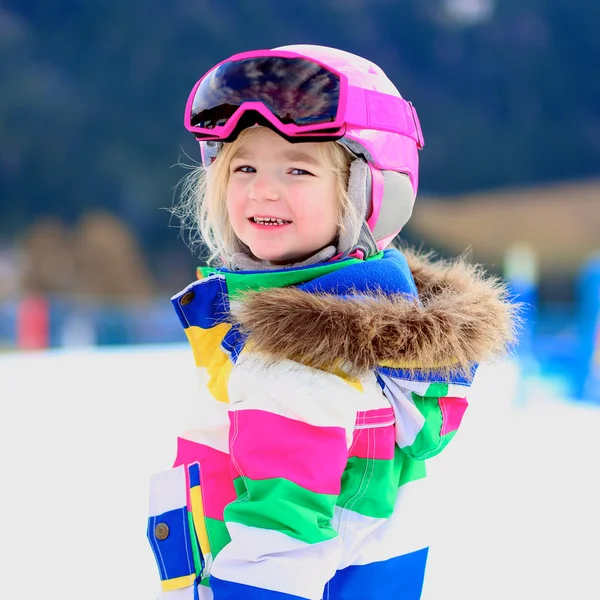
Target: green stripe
[370,486]
[195,548]
[411,470]
[281,505]
[437,390]
[238,283]
[447,437]
[239,486]
[218,536]
[429,440]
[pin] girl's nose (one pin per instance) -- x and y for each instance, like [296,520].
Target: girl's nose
[264,187]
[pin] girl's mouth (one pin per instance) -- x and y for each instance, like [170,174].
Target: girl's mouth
[268,221]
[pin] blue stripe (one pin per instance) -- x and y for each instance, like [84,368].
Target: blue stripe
[398,578]
[229,590]
[389,275]
[431,376]
[233,342]
[209,304]
[194,471]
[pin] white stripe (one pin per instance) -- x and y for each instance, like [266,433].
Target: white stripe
[421,387]
[208,561]
[457,390]
[368,540]
[418,387]
[203,379]
[409,420]
[302,393]
[205,593]
[167,491]
[211,426]
[271,560]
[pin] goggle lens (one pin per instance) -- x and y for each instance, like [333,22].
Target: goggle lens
[296,90]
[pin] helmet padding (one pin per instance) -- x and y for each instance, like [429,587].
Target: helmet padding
[383,207]
[395,206]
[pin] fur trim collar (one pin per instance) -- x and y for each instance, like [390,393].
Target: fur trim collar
[463,318]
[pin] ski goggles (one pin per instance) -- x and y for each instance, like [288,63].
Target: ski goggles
[299,96]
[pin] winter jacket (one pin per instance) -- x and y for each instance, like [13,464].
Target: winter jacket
[326,388]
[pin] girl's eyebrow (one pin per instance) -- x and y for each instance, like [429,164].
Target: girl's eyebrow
[241,152]
[293,154]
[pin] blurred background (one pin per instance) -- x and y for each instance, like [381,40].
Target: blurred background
[92,148]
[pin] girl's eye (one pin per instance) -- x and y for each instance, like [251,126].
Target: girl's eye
[244,169]
[300,172]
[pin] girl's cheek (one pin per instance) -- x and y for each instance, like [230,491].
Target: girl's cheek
[234,188]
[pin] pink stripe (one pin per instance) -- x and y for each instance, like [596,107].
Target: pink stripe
[375,436]
[377,416]
[453,410]
[265,446]
[215,480]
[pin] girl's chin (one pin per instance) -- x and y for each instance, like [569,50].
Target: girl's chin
[279,259]
[282,258]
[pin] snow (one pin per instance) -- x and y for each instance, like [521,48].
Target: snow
[81,431]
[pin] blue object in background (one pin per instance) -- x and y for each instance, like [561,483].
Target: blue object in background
[589,329]
[521,274]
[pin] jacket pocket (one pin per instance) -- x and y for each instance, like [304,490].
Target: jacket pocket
[369,485]
[374,434]
[171,532]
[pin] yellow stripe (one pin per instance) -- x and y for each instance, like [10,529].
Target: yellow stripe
[198,516]
[206,346]
[219,370]
[352,381]
[205,341]
[169,585]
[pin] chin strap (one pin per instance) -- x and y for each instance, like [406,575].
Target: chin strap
[366,242]
[243,260]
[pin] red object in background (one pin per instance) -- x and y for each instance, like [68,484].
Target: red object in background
[33,323]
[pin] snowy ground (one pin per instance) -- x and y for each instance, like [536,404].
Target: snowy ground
[82,431]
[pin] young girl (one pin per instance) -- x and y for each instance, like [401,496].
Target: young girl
[333,366]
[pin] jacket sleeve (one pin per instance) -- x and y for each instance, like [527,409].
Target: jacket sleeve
[428,409]
[290,430]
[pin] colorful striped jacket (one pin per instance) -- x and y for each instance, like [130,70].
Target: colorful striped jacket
[327,386]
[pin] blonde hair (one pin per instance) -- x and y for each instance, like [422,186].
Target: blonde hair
[202,208]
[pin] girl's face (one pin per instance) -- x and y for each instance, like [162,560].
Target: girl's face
[281,200]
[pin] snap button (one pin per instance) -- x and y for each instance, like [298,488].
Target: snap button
[186,298]
[161,531]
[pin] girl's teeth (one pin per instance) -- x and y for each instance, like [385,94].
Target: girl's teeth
[269,221]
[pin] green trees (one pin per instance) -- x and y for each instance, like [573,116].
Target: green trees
[92,93]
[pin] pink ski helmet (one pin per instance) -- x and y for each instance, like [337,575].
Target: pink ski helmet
[309,93]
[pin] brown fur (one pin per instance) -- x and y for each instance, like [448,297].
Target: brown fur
[463,317]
